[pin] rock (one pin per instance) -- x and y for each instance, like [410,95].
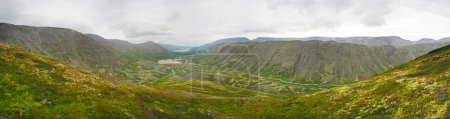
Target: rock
[45,102]
[26,109]
[428,82]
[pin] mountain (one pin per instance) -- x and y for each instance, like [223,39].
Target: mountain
[426,40]
[368,41]
[417,89]
[444,39]
[64,44]
[175,48]
[204,48]
[265,39]
[83,51]
[143,51]
[313,61]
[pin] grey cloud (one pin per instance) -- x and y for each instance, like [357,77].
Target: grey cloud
[333,13]
[200,21]
[132,34]
[10,10]
[439,7]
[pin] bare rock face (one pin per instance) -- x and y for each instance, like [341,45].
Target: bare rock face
[316,61]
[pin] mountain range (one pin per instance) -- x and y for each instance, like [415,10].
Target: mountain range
[205,47]
[41,87]
[48,72]
[314,61]
[87,51]
[368,41]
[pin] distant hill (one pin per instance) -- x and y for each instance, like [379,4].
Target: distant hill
[417,89]
[265,39]
[426,40]
[143,51]
[369,41]
[444,39]
[315,61]
[204,48]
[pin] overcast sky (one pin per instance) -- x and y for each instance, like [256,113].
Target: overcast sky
[194,22]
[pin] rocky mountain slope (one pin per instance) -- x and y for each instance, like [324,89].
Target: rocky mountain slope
[368,41]
[143,51]
[417,89]
[314,61]
[205,47]
[64,44]
[80,50]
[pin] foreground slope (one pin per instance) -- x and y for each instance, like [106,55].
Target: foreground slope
[417,89]
[38,86]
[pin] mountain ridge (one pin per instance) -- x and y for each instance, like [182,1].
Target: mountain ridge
[302,61]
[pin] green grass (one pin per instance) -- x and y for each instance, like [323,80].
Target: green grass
[36,86]
[417,89]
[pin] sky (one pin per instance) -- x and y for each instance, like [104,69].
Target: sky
[195,22]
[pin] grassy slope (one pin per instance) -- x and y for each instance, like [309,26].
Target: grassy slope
[417,89]
[37,86]
[28,81]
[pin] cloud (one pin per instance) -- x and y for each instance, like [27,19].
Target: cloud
[9,10]
[334,13]
[195,22]
[137,34]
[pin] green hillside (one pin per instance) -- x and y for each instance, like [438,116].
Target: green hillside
[417,89]
[40,87]
[37,86]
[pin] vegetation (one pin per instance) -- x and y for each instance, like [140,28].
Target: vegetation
[417,89]
[40,87]
[37,86]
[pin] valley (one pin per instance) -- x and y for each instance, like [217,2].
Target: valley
[48,72]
